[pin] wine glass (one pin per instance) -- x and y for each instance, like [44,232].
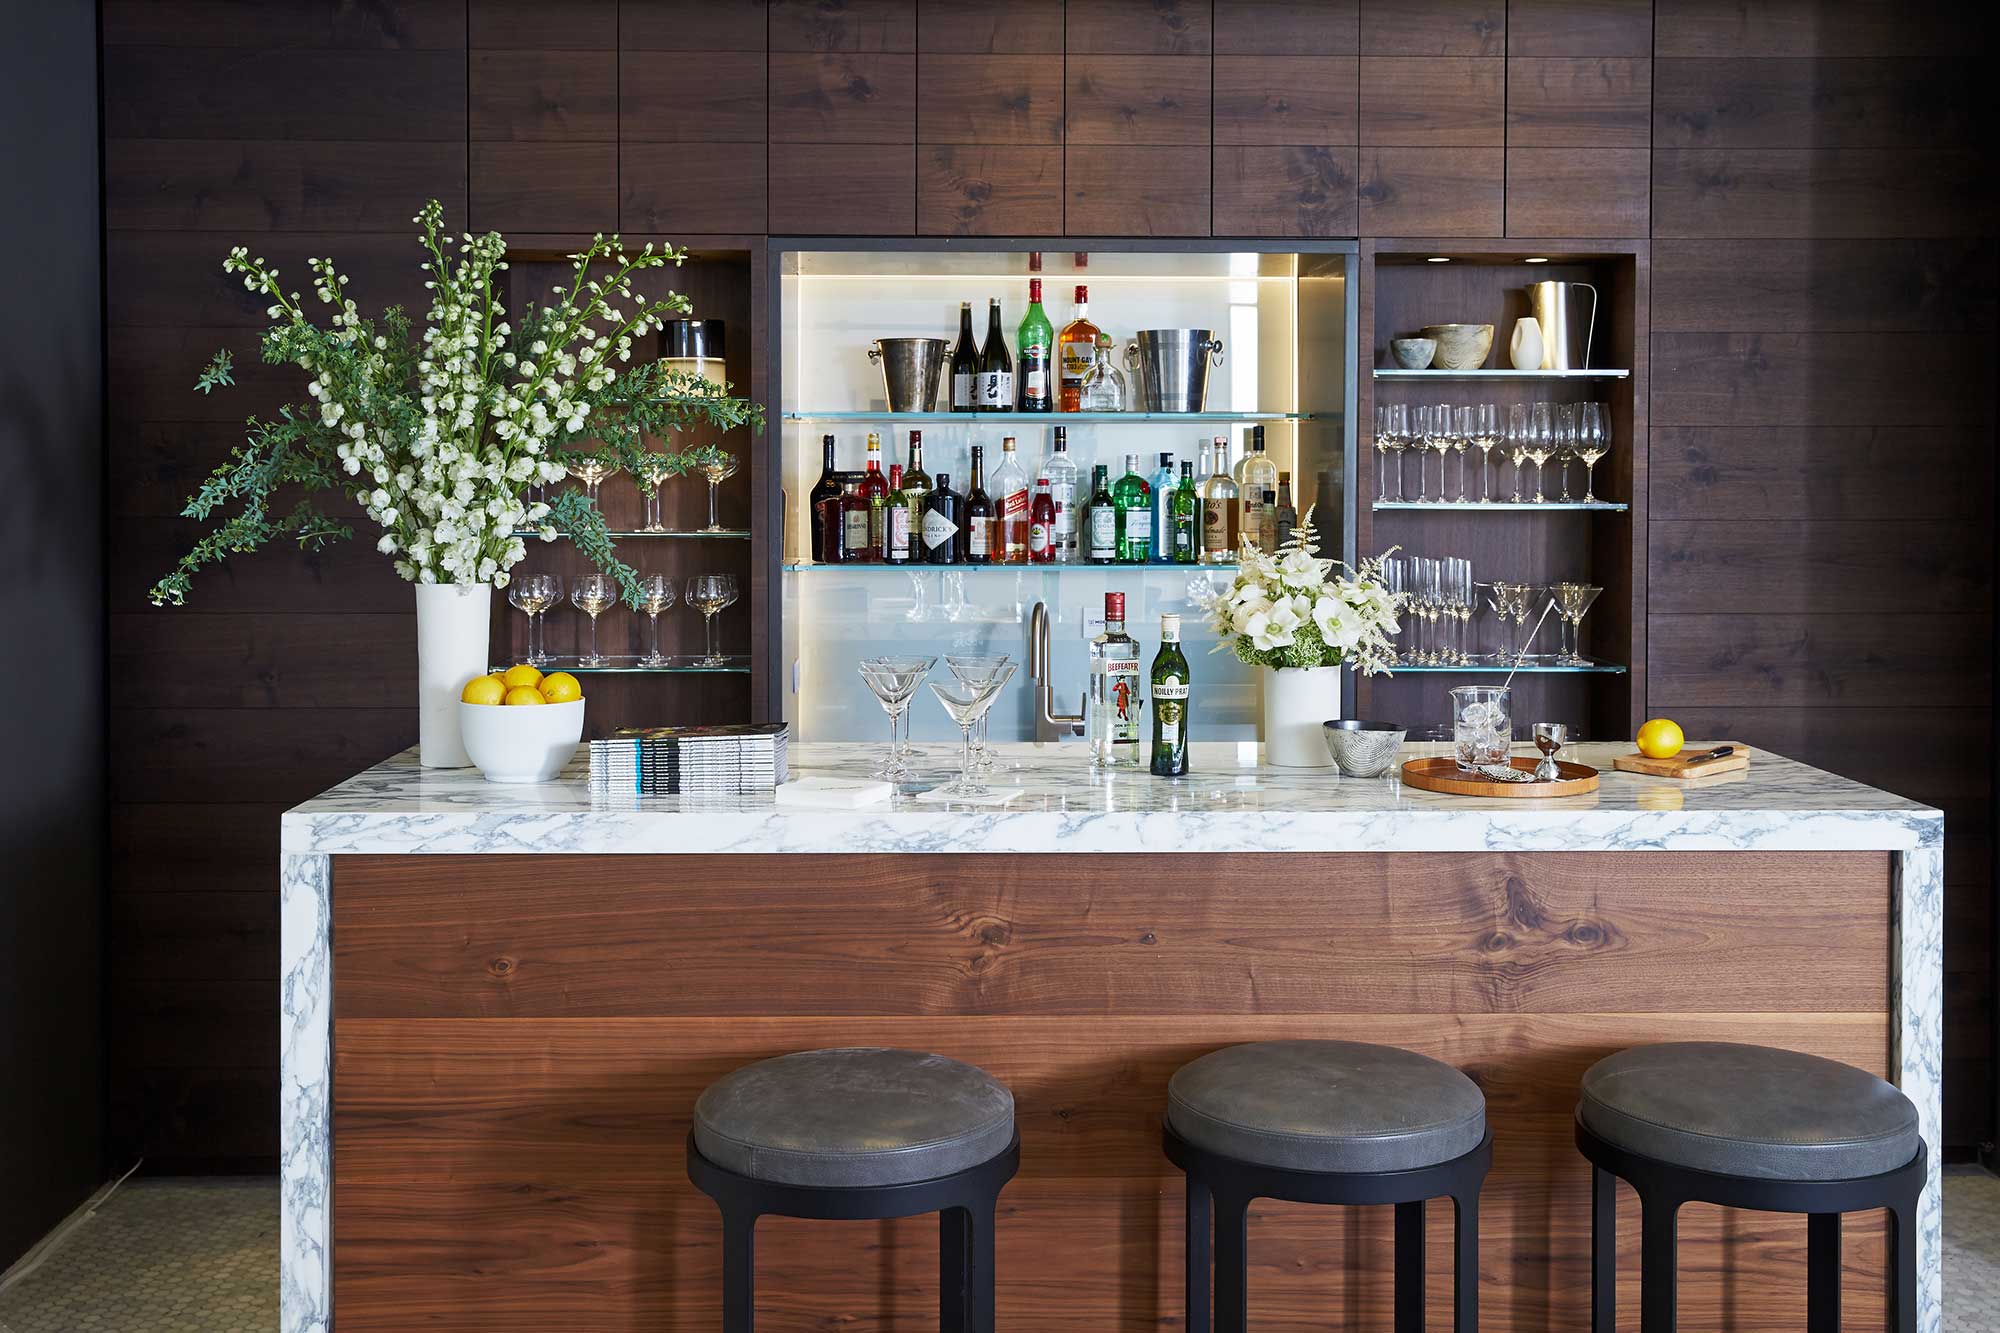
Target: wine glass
[1399,441]
[1573,602]
[1517,442]
[1541,443]
[1486,434]
[709,593]
[654,469]
[1461,440]
[593,594]
[893,681]
[591,470]
[967,704]
[1565,448]
[1593,441]
[718,467]
[533,595]
[656,594]
[1440,441]
[980,669]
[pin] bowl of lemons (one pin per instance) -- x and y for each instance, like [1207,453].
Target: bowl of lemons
[520,725]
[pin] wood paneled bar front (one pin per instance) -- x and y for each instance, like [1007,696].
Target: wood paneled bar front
[499,1013]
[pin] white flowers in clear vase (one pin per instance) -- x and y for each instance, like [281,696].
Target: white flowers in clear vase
[1291,609]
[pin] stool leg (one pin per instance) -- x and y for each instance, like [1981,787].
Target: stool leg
[739,1298]
[979,1283]
[1465,1275]
[1232,1263]
[1198,1260]
[1410,1267]
[954,1268]
[1658,1261]
[1823,1273]
[1902,1275]
[1603,1251]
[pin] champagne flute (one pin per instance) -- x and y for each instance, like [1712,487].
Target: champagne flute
[1382,451]
[1593,436]
[1461,440]
[1517,442]
[1440,441]
[1486,434]
[718,467]
[656,594]
[591,470]
[709,593]
[654,469]
[1399,441]
[533,595]
[593,594]
[1420,429]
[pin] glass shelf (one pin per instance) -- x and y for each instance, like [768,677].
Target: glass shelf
[1395,373]
[733,534]
[1074,565]
[628,664]
[1509,506]
[1052,418]
[1531,668]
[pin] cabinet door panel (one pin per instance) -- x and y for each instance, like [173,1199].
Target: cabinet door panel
[1579,192]
[843,189]
[1287,27]
[1442,101]
[1126,191]
[1285,99]
[843,25]
[989,190]
[1432,191]
[1139,27]
[1137,100]
[1582,102]
[692,188]
[692,97]
[1286,191]
[1434,27]
[843,98]
[989,99]
[990,27]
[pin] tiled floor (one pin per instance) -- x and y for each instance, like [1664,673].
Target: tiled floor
[201,1255]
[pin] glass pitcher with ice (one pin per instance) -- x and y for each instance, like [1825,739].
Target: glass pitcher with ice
[1482,725]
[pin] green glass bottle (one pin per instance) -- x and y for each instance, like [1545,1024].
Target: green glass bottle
[1134,499]
[1101,531]
[1170,702]
[1183,523]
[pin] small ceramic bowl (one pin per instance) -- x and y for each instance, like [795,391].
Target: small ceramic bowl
[1460,346]
[526,743]
[1413,353]
[1363,749]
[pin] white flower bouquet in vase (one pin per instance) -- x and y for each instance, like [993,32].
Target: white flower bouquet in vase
[437,433]
[1293,613]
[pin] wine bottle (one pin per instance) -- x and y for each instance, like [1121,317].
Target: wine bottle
[875,492]
[1170,701]
[996,368]
[1285,517]
[941,523]
[965,364]
[976,538]
[897,519]
[1183,525]
[916,486]
[1036,341]
[1042,525]
[1103,521]
[826,489]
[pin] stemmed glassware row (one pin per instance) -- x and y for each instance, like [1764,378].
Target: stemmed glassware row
[1437,624]
[715,464]
[1537,433]
[976,682]
[534,595]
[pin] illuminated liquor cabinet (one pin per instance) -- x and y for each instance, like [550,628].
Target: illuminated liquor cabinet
[1286,319]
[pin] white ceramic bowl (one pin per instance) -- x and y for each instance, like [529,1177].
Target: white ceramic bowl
[526,743]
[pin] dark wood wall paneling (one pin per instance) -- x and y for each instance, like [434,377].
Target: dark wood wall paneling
[1823,400]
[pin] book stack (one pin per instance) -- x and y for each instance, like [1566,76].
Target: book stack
[736,760]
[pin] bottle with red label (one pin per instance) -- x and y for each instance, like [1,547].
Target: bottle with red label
[1009,489]
[1042,538]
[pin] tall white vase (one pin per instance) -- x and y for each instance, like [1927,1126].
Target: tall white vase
[1297,700]
[1525,349]
[453,621]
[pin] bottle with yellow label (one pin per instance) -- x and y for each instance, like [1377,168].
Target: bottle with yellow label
[1076,352]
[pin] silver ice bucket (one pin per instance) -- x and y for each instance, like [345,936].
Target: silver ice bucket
[1171,368]
[912,369]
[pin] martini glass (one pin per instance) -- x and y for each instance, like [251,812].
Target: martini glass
[893,681]
[1573,601]
[981,669]
[1510,603]
[967,704]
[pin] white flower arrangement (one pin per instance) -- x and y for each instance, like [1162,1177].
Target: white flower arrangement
[1290,610]
[437,436]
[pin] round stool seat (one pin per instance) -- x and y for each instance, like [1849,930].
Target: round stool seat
[853,1117]
[1749,1111]
[1334,1106]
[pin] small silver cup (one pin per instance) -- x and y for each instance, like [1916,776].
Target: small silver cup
[1550,737]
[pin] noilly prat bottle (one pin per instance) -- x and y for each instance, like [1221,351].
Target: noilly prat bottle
[1170,702]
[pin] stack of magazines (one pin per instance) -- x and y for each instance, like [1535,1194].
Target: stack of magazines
[739,759]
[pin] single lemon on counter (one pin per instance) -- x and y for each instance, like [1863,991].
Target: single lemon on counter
[525,695]
[522,677]
[1661,738]
[559,687]
[484,690]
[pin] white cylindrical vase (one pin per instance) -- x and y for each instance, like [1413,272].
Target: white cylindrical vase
[453,622]
[1297,702]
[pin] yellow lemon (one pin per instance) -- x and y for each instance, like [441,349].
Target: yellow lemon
[525,695]
[522,677]
[484,690]
[559,687]
[1661,738]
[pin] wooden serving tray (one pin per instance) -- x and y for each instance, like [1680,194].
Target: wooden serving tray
[1446,776]
[1680,766]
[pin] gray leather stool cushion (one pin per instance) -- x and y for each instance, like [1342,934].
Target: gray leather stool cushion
[1326,1106]
[1749,1111]
[853,1117]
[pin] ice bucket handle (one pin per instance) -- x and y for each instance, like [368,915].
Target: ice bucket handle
[1214,348]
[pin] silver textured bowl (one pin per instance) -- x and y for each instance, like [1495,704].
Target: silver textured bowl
[1460,346]
[1413,353]
[1363,749]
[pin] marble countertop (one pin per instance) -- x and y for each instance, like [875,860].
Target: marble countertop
[1228,803]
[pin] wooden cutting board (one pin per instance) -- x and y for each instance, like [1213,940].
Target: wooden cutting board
[1680,765]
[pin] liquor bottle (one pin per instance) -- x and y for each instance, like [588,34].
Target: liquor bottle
[1163,490]
[825,490]
[1134,499]
[1218,511]
[1010,507]
[1060,470]
[965,364]
[853,523]
[1284,518]
[1256,475]
[1036,341]
[897,520]
[1103,519]
[1170,700]
[875,490]
[1204,469]
[996,368]
[1103,387]
[1042,525]
[1076,351]
[1111,712]
[1183,526]
[942,515]
[916,486]
[975,540]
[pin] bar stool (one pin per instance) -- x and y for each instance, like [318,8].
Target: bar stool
[863,1132]
[1746,1127]
[1335,1122]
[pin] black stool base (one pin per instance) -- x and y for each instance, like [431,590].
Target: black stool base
[964,1201]
[1220,1190]
[1663,1187]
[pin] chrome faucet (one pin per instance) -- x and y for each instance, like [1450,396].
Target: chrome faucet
[1049,724]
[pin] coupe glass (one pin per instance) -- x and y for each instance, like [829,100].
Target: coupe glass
[967,704]
[1573,602]
[591,470]
[893,681]
[655,469]
[981,669]
[1486,434]
[1518,440]
[709,593]
[593,594]
[656,594]
[533,595]
[718,467]
[1482,724]
[1593,441]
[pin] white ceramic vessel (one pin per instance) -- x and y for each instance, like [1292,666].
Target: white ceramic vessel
[1525,348]
[528,743]
[453,622]
[1298,701]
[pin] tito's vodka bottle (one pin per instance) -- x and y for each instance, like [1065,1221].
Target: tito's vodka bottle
[1111,714]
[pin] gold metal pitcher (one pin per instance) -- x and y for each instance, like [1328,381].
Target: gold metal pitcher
[1550,301]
